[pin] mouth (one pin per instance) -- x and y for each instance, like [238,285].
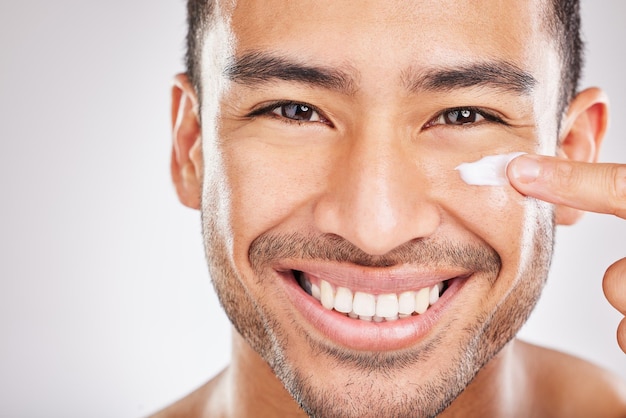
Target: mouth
[371,306]
[371,309]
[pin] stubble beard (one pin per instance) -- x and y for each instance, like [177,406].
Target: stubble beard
[381,395]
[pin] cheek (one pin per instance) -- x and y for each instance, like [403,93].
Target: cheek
[497,215]
[518,229]
[271,188]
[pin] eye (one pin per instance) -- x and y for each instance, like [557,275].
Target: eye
[298,112]
[462,116]
[291,112]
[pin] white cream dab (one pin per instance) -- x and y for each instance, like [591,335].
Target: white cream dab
[488,171]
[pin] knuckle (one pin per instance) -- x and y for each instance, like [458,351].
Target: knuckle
[619,183]
[618,190]
[565,176]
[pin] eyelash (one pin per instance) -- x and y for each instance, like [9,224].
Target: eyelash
[488,117]
[269,109]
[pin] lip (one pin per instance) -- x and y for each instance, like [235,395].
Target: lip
[372,336]
[373,280]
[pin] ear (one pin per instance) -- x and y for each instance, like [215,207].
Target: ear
[583,131]
[186,165]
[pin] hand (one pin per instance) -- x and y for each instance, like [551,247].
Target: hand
[579,186]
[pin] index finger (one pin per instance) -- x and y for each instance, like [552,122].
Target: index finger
[594,187]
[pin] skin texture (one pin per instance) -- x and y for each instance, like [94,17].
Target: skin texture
[364,193]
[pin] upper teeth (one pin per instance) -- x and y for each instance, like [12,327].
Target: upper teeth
[367,306]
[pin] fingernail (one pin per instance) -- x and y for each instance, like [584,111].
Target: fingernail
[525,169]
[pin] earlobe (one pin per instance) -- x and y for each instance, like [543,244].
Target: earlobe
[582,134]
[186,163]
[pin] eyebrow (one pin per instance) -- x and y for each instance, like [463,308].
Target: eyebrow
[497,75]
[257,68]
[260,68]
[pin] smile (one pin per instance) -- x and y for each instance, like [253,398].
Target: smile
[371,309]
[369,306]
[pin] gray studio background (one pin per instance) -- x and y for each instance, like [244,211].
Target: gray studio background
[106,309]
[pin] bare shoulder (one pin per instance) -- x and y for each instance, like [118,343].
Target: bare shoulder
[569,386]
[198,403]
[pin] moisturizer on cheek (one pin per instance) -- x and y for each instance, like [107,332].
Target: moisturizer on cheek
[488,171]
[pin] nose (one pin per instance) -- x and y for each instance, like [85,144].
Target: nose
[377,197]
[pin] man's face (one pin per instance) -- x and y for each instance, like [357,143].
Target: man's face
[329,166]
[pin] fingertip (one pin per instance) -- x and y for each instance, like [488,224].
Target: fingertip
[613,285]
[524,169]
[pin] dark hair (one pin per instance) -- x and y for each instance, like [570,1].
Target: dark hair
[199,20]
[563,23]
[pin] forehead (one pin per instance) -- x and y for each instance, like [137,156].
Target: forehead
[392,31]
